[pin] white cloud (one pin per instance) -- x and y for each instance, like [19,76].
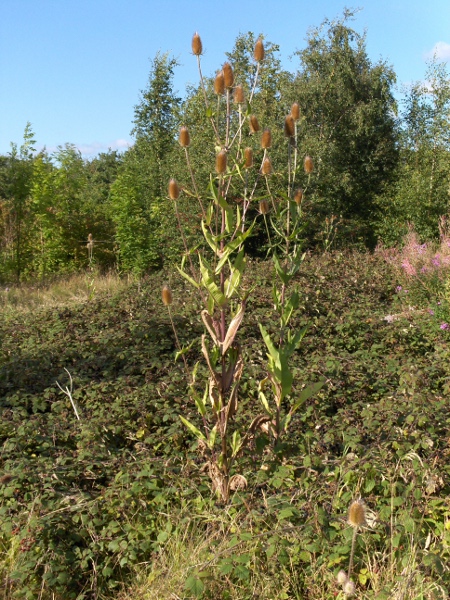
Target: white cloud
[96,147]
[441,50]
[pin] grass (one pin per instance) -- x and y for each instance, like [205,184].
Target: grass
[73,290]
[118,505]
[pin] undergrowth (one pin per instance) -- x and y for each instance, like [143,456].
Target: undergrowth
[118,504]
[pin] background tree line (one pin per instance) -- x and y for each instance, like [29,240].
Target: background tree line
[378,167]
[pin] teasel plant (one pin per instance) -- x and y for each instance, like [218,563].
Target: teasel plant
[239,171]
[286,224]
[218,277]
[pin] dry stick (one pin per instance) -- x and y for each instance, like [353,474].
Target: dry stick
[68,393]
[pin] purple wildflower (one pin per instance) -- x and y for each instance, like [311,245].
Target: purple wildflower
[444,326]
[398,289]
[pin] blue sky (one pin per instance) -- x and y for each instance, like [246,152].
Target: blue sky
[74,68]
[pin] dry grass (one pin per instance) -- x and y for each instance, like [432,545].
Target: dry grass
[75,289]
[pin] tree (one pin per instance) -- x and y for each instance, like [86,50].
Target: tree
[349,126]
[139,193]
[16,185]
[421,193]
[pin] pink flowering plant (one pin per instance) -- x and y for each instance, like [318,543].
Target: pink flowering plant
[423,272]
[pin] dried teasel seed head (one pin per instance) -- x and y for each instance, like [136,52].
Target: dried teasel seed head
[90,238]
[254,125]
[258,52]
[228,75]
[349,588]
[295,111]
[264,207]
[197,46]
[266,167]
[248,157]
[239,94]
[289,126]
[174,190]
[184,137]
[266,139]
[341,577]
[298,196]
[357,513]
[221,162]
[308,164]
[166,295]
[219,84]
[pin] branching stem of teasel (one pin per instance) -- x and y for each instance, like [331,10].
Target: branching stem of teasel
[178,341]
[202,84]
[227,134]
[352,552]
[267,229]
[183,237]
[194,185]
[254,82]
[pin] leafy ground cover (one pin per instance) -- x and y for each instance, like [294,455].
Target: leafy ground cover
[118,504]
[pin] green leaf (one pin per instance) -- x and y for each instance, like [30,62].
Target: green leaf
[210,285]
[285,277]
[231,247]
[194,585]
[306,393]
[236,443]
[212,437]
[193,428]
[188,278]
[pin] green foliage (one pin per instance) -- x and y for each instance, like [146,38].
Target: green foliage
[82,504]
[420,195]
[348,127]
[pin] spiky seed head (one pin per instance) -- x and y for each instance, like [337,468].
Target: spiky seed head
[266,167]
[289,126]
[90,238]
[295,111]
[254,125]
[197,46]
[248,156]
[308,164]
[266,139]
[258,52]
[264,207]
[298,196]
[357,513]
[239,94]
[228,75]
[174,190]
[219,84]
[221,162]
[166,295]
[184,137]
[349,588]
[342,577]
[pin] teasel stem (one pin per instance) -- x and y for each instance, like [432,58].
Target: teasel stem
[205,96]
[194,184]
[267,229]
[352,552]
[183,237]
[254,82]
[177,341]
[227,133]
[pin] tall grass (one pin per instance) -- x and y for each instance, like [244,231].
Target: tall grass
[76,289]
